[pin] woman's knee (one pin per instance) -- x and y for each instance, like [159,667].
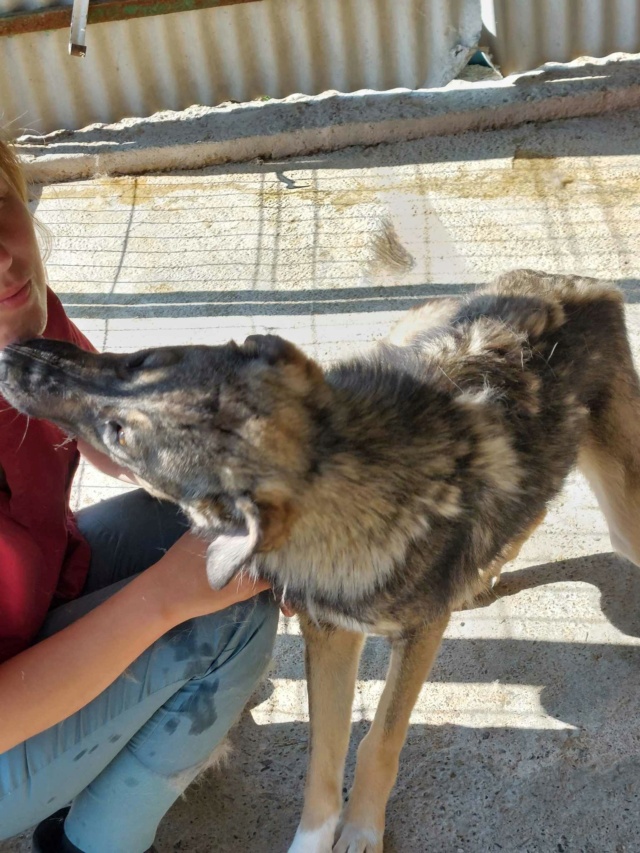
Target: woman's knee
[240,637]
[225,655]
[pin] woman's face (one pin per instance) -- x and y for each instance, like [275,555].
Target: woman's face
[23,293]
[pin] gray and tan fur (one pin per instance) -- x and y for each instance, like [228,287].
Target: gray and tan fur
[376,496]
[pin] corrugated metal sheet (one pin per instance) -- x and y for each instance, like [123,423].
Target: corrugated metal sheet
[270,48]
[523,34]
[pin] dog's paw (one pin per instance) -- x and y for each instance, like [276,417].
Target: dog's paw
[353,838]
[318,840]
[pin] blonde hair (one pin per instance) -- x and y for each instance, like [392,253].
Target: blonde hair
[11,170]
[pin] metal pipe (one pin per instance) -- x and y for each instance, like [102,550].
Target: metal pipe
[78,30]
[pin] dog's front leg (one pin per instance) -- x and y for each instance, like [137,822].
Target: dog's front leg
[362,828]
[332,657]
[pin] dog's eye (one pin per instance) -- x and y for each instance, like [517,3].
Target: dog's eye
[116,433]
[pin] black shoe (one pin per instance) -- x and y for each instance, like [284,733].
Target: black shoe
[49,836]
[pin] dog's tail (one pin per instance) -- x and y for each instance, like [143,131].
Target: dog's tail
[564,289]
[546,299]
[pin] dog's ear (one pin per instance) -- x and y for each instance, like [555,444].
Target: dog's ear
[230,552]
[266,527]
[274,350]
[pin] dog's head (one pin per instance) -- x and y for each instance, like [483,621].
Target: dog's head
[226,432]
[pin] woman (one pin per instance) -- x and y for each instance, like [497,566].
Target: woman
[120,670]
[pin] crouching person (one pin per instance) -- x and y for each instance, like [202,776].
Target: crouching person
[120,669]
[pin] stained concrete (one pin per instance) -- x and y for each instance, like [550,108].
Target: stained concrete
[527,736]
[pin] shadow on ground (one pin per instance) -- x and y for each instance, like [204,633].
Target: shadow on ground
[225,303]
[464,789]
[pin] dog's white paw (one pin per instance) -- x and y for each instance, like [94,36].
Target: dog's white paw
[358,839]
[318,840]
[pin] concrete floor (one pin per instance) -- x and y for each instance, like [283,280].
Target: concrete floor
[527,737]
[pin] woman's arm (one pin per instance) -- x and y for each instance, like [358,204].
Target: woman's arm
[48,682]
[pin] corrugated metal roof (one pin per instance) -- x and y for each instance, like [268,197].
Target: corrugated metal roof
[270,48]
[523,34]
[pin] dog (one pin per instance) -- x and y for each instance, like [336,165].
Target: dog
[378,495]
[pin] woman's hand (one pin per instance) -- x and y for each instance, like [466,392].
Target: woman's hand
[181,577]
[286,609]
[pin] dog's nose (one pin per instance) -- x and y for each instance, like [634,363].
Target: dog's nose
[9,358]
[4,367]
[13,365]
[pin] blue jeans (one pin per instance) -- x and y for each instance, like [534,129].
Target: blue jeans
[127,756]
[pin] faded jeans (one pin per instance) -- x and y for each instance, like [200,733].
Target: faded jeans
[127,756]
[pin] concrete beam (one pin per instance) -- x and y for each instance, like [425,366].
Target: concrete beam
[300,125]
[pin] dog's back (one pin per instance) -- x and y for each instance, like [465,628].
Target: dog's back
[576,322]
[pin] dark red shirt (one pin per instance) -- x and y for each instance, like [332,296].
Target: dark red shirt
[43,557]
